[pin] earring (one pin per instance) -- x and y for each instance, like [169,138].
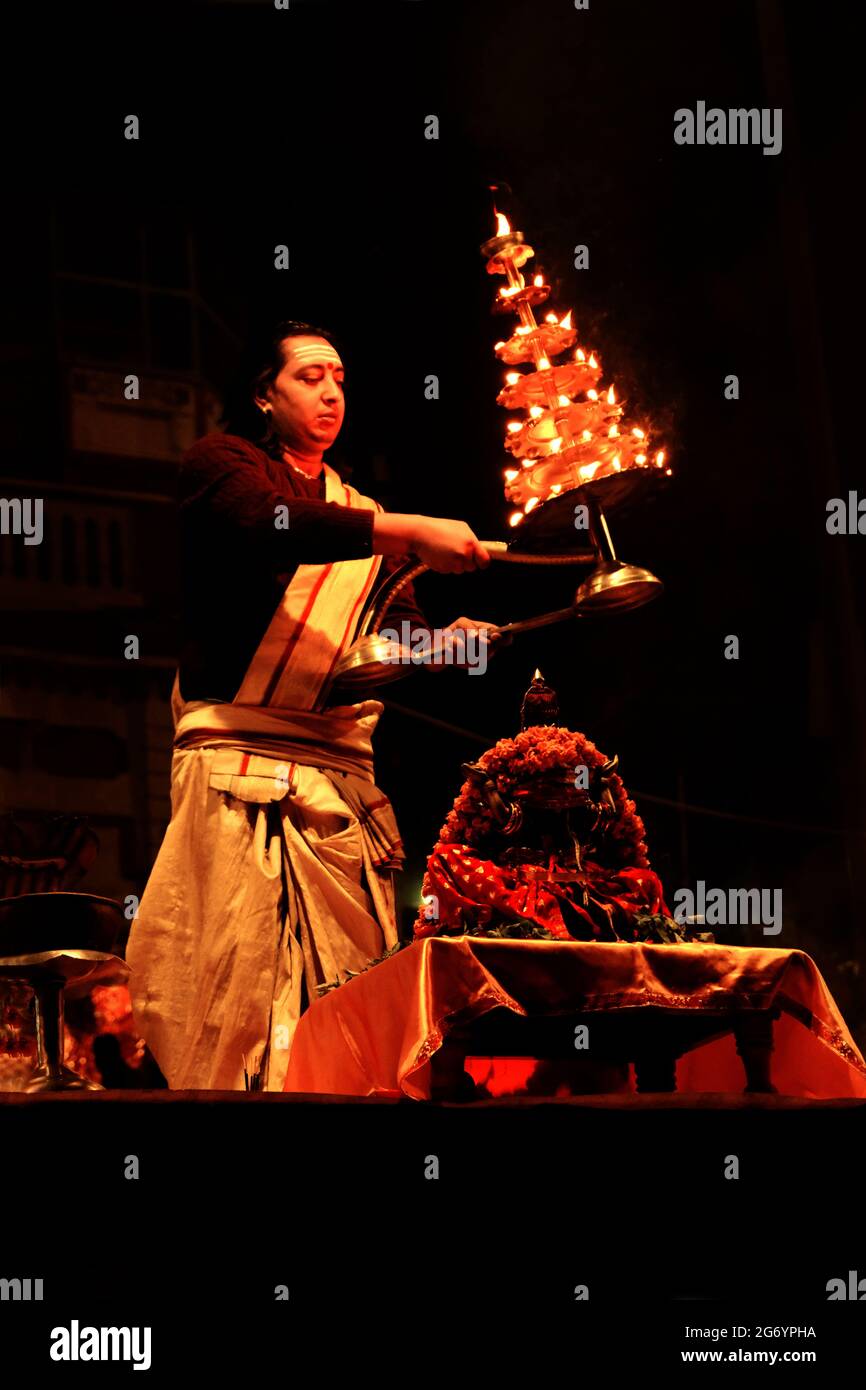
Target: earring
[266,434]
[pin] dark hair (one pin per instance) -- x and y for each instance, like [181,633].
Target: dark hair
[260,365]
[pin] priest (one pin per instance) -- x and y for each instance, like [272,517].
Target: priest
[276,871]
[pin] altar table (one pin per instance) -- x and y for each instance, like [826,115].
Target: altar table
[696,1017]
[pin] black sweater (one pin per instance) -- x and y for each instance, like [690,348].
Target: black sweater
[236,563]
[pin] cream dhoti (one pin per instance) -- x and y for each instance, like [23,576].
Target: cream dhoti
[276,871]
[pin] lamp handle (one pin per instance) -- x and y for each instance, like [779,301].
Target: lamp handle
[497,550]
[542,620]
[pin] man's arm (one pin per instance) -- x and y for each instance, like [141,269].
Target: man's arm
[223,480]
[225,476]
[444,545]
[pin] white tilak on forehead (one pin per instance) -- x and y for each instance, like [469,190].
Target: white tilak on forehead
[323,355]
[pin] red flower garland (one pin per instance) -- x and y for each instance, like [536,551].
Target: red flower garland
[513,762]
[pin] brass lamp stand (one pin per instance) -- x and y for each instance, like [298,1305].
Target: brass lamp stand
[31,925]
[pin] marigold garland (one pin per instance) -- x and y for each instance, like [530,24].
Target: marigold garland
[619,841]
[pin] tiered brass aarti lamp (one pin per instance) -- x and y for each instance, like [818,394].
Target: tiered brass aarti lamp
[573,464]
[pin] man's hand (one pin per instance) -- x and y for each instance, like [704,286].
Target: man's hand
[489,631]
[449,547]
[483,641]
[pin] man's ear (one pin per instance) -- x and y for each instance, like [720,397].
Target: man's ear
[261,401]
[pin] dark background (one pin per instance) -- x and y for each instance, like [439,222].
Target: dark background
[306,127]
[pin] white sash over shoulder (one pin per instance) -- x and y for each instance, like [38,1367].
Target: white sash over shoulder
[314,624]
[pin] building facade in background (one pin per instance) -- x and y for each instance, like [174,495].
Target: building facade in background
[110,363]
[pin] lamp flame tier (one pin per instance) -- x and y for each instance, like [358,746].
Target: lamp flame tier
[570,433]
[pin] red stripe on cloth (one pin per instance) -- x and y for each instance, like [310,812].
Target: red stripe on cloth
[245,762]
[293,640]
[350,624]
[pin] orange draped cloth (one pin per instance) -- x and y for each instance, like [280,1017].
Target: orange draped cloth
[376,1034]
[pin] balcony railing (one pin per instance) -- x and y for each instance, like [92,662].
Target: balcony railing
[89,548]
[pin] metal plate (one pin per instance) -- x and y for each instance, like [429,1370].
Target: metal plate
[549,527]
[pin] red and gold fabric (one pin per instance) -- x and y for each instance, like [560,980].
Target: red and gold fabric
[462,883]
[377,1033]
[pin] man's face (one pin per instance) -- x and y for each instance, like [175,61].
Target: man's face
[306,399]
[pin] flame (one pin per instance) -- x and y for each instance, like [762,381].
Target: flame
[555,446]
[535,411]
[514,427]
[539,280]
[537,676]
[593,360]
[564,400]
[586,436]
[510,474]
[533,502]
[503,226]
[515,518]
[555,489]
[543,364]
[638,434]
[566,322]
[551,318]
[511,378]
[611,398]
[593,395]
[640,458]
[580,355]
[522,331]
[497,346]
[616,463]
[613,432]
[660,458]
